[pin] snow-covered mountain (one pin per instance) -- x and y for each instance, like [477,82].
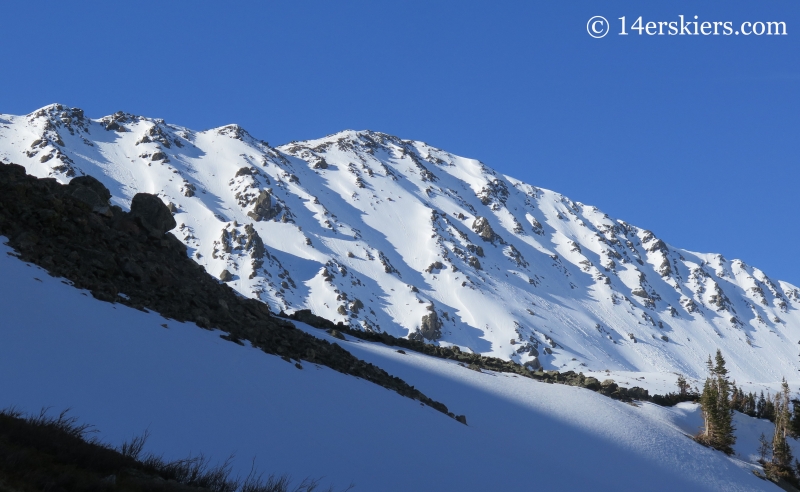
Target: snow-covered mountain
[398,236]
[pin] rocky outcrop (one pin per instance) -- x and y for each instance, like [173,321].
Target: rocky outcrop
[263,208]
[482,228]
[431,326]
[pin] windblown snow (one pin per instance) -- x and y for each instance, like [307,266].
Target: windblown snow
[393,235]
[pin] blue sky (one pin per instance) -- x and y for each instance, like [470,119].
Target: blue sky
[693,137]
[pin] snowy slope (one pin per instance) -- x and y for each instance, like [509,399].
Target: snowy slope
[126,371]
[395,235]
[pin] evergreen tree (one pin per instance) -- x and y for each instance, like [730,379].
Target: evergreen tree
[769,408]
[781,453]
[708,406]
[716,406]
[762,402]
[724,435]
[782,459]
[794,424]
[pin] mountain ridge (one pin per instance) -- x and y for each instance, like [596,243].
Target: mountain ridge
[395,235]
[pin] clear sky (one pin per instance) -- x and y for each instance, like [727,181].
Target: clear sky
[694,137]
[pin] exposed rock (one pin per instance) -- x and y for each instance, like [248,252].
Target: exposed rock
[189,189]
[91,192]
[482,227]
[263,209]
[152,214]
[533,364]
[225,276]
[431,325]
[592,384]
[336,334]
[478,250]
[436,265]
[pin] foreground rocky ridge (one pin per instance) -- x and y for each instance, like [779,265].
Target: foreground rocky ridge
[130,258]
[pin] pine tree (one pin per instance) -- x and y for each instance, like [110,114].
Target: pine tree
[769,408]
[781,452]
[708,406]
[794,424]
[762,402]
[724,435]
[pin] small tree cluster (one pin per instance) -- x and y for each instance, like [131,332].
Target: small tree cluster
[716,406]
[751,404]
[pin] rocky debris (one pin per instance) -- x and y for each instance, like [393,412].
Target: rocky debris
[152,214]
[118,260]
[225,276]
[263,209]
